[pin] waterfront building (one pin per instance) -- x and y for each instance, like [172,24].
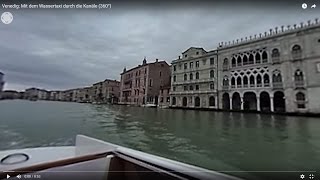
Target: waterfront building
[84,95]
[10,94]
[37,94]
[111,91]
[53,96]
[277,71]
[164,96]
[141,84]
[97,95]
[194,79]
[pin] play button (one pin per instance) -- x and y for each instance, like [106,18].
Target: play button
[8,176]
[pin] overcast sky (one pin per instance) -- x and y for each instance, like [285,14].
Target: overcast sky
[61,49]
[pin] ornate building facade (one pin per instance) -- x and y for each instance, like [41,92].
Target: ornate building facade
[141,85]
[278,71]
[194,79]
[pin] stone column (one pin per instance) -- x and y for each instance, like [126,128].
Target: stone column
[230,103]
[258,103]
[271,104]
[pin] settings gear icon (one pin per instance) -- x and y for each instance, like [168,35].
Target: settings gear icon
[302,176]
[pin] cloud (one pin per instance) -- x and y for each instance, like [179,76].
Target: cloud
[77,48]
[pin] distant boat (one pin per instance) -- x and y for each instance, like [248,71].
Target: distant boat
[95,159]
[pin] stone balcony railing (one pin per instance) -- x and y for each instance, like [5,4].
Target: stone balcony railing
[225,87]
[277,85]
[296,56]
[275,60]
[299,84]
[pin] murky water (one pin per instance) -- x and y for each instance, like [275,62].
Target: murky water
[219,141]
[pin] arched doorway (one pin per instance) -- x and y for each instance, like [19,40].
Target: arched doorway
[197,102]
[212,101]
[279,102]
[184,101]
[236,101]
[265,102]
[226,101]
[250,101]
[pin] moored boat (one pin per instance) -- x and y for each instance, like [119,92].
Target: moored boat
[95,159]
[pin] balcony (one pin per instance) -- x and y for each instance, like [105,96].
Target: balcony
[239,86]
[225,87]
[252,85]
[299,84]
[296,56]
[245,85]
[264,60]
[233,86]
[225,68]
[266,84]
[277,85]
[259,85]
[275,60]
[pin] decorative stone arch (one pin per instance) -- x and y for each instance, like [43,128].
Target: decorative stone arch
[296,48]
[266,80]
[265,105]
[279,102]
[226,101]
[275,53]
[233,62]
[298,75]
[257,58]
[252,80]
[239,61]
[212,101]
[264,56]
[239,82]
[250,101]
[236,101]
[301,100]
[225,81]
[296,52]
[245,81]
[233,82]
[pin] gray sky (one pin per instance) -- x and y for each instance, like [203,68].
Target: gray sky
[61,49]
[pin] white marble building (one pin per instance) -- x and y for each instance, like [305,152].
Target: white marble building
[278,70]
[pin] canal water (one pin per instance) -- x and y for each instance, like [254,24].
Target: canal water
[221,141]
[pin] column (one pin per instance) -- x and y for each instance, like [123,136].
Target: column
[242,103]
[271,104]
[230,103]
[258,103]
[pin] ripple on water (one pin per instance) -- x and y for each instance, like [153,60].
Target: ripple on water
[10,139]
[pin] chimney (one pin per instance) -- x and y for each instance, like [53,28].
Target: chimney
[157,60]
[179,57]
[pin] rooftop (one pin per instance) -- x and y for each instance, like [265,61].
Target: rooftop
[276,32]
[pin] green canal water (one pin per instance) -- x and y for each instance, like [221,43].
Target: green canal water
[220,141]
